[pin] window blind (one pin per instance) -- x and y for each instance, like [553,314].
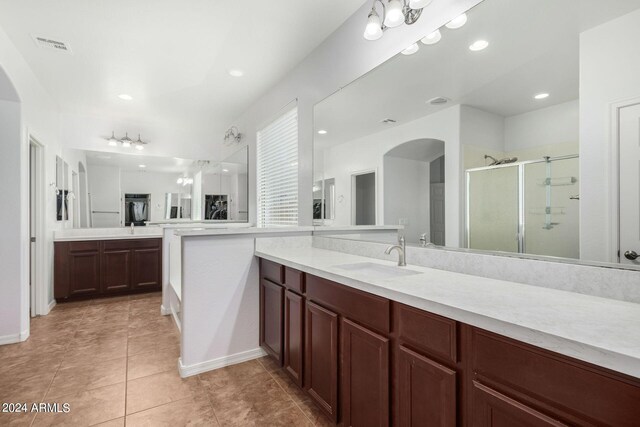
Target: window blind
[277,172]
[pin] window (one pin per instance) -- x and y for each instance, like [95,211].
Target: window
[278,172]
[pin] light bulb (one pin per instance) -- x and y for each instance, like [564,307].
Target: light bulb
[419,4]
[432,38]
[179,181]
[113,143]
[394,15]
[457,22]
[373,30]
[126,144]
[139,147]
[411,49]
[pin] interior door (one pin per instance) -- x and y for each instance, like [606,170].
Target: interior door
[32,226]
[630,185]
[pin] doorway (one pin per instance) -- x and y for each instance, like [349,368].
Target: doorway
[363,196]
[36,193]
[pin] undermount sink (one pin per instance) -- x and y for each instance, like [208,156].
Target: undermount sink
[377,270]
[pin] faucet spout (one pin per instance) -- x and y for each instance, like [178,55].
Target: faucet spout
[401,248]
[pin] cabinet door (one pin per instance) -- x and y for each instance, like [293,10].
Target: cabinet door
[321,357]
[491,408]
[84,272]
[427,391]
[116,265]
[293,335]
[271,300]
[146,268]
[365,377]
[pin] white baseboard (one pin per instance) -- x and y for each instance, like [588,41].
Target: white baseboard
[15,338]
[165,311]
[221,362]
[51,305]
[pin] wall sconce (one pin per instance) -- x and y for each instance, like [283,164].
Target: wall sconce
[232,136]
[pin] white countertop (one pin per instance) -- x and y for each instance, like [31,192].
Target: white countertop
[81,234]
[218,229]
[601,331]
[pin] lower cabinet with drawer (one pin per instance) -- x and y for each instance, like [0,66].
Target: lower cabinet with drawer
[95,268]
[368,361]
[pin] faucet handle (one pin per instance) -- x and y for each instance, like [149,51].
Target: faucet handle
[401,239]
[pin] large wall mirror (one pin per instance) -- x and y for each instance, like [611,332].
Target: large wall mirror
[516,133]
[111,189]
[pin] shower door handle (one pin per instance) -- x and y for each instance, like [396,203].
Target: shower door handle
[631,255]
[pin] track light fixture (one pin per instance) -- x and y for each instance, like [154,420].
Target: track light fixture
[394,13]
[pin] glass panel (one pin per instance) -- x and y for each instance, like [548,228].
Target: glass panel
[551,206]
[492,206]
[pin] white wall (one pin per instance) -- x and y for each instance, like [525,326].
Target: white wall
[367,153]
[39,118]
[104,196]
[608,50]
[340,59]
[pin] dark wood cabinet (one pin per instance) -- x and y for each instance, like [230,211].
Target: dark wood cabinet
[365,376]
[427,391]
[294,336]
[271,304]
[321,358]
[369,361]
[84,269]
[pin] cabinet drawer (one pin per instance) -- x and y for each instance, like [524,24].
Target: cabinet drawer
[370,310]
[88,246]
[271,271]
[294,280]
[427,332]
[554,381]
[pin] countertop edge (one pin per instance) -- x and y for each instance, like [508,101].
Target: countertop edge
[92,238]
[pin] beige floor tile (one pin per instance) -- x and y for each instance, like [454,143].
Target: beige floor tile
[143,365]
[148,295]
[96,351]
[87,377]
[234,376]
[185,412]
[156,324]
[88,407]
[118,422]
[153,342]
[25,387]
[16,419]
[159,389]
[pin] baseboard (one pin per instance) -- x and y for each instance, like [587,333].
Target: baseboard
[210,365]
[51,305]
[165,311]
[15,338]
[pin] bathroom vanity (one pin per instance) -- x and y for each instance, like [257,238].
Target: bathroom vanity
[104,264]
[376,344]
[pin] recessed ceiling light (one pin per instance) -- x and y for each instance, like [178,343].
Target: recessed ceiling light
[411,49]
[322,132]
[432,38]
[479,45]
[458,22]
[125,97]
[142,166]
[541,96]
[225,170]
[235,72]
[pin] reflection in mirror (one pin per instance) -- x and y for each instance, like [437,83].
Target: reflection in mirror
[59,189]
[494,137]
[116,190]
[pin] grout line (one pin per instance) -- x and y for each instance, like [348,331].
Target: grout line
[213,410]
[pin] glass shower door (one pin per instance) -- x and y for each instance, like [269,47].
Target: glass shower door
[492,209]
[551,208]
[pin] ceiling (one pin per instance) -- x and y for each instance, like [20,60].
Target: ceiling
[172,57]
[533,48]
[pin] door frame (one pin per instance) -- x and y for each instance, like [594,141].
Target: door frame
[614,175]
[39,304]
[353,176]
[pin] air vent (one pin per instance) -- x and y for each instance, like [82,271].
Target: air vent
[56,45]
[388,121]
[438,100]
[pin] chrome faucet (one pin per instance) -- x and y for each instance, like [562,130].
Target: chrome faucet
[132,227]
[424,242]
[400,247]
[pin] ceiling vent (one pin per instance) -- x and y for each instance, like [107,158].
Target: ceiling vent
[388,121]
[439,100]
[56,45]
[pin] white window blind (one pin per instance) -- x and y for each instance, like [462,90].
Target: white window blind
[277,164]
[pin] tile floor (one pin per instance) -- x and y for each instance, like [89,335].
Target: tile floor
[115,362]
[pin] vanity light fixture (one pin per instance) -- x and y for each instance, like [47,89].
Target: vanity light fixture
[232,135]
[411,49]
[113,141]
[394,13]
[322,132]
[125,97]
[139,143]
[432,38]
[126,141]
[457,22]
[479,45]
[541,96]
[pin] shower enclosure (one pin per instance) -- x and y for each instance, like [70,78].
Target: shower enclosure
[526,207]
